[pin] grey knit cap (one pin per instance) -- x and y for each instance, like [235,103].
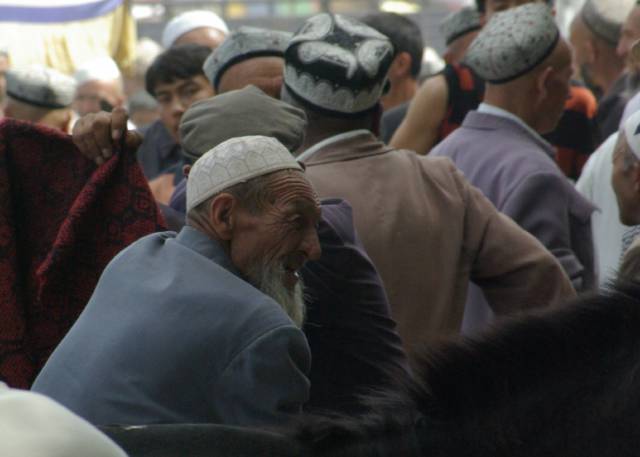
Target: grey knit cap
[513,43]
[247,111]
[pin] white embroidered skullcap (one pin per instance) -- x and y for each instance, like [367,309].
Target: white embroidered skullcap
[189,21]
[245,43]
[459,23]
[98,69]
[513,43]
[40,86]
[338,65]
[234,161]
[631,129]
[605,17]
[32,425]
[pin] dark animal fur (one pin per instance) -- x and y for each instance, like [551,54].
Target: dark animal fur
[560,383]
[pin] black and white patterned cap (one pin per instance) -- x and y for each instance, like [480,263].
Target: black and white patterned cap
[460,23]
[41,86]
[513,43]
[245,43]
[605,17]
[337,64]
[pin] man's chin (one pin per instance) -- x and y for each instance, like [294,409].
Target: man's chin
[284,287]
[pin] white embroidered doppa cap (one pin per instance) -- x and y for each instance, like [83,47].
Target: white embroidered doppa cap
[631,129]
[189,21]
[99,69]
[234,161]
[605,17]
[32,425]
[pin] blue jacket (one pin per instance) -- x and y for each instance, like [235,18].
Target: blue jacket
[172,334]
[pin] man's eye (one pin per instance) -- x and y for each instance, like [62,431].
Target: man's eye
[189,92]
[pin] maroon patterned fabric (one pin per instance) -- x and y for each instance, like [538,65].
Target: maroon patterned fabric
[62,219]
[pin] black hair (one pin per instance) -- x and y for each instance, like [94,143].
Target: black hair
[178,62]
[405,35]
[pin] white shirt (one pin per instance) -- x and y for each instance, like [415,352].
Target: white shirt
[595,185]
[491,109]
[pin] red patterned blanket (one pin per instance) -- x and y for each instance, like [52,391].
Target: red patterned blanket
[62,219]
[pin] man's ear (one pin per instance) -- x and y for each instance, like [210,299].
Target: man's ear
[401,64]
[542,82]
[222,214]
[186,169]
[635,175]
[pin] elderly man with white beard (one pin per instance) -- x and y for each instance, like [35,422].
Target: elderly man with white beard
[203,325]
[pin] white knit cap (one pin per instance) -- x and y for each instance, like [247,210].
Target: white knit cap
[631,129]
[605,17]
[189,21]
[234,161]
[98,69]
[32,425]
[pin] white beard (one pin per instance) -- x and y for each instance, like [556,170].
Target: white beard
[269,279]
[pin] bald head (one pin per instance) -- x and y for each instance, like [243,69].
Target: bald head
[538,96]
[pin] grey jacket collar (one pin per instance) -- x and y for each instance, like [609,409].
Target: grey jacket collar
[206,246]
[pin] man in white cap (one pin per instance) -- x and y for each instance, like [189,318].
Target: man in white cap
[626,170]
[527,66]
[425,228]
[201,27]
[625,179]
[203,325]
[99,86]
[40,95]
[32,425]
[595,32]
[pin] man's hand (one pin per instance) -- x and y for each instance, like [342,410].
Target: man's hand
[99,135]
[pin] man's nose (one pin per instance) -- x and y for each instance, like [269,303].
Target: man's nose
[311,245]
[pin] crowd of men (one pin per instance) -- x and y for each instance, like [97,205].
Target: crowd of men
[330,214]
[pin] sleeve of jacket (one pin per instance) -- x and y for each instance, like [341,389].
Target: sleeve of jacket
[541,206]
[514,270]
[352,336]
[266,382]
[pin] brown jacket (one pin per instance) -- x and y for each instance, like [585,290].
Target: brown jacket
[429,231]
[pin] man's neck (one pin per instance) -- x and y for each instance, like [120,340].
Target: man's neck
[401,92]
[513,105]
[609,77]
[314,137]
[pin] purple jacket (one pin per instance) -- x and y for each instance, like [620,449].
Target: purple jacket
[515,170]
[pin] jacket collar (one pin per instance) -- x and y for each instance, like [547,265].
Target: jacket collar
[489,121]
[344,146]
[206,246]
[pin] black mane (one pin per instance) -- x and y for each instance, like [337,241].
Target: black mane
[563,382]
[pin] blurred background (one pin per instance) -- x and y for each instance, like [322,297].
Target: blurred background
[63,33]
